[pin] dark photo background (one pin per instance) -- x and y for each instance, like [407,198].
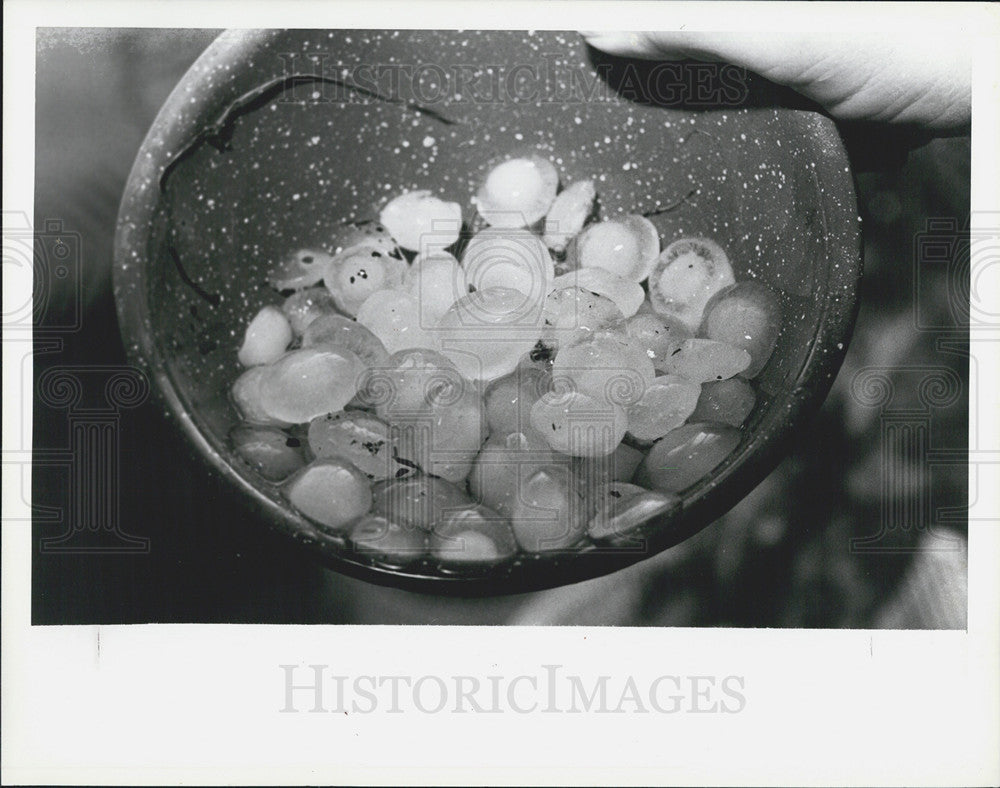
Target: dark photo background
[787,556]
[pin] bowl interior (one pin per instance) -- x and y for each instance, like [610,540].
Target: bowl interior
[252,157]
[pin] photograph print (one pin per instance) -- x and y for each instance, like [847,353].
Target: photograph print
[498,327]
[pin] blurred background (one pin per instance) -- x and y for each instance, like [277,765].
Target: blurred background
[854,529]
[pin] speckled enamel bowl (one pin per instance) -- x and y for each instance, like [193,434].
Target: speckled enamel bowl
[252,156]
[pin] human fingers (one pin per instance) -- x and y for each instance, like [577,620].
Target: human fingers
[872,77]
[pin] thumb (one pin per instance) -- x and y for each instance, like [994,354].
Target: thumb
[873,77]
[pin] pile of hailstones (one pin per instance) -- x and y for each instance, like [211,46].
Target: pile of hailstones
[531,396]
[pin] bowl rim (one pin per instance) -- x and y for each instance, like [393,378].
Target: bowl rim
[175,126]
